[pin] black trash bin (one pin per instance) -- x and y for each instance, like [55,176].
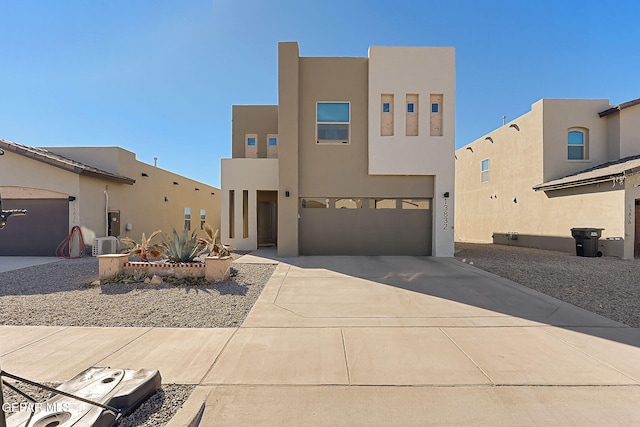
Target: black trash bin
[587,241]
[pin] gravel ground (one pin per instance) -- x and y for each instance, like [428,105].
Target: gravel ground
[154,412]
[57,294]
[607,286]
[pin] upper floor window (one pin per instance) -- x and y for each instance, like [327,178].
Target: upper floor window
[577,140]
[251,141]
[333,119]
[273,141]
[484,171]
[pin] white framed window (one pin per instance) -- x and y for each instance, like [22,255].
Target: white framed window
[333,121]
[577,144]
[484,170]
[203,218]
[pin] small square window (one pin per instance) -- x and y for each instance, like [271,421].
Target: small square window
[273,142]
[434,108]
[251,142]
[410,107]
[386,107]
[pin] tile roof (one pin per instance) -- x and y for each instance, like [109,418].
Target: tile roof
[56,160]
[605,172]
[619,107]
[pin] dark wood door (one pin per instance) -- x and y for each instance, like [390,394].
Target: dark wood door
[267,224]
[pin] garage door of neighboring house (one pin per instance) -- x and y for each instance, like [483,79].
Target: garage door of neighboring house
[39,232]
[365,226]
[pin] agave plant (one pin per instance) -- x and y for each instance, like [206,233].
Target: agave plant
[182,248]
[144,248]
[211,244]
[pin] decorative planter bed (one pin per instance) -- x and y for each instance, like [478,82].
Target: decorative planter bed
[213,269]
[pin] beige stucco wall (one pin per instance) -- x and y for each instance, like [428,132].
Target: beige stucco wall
[632,193]
[487,212]
[629,131]
[416,73]
[141,204]
[515,167]
[561,114]
[261,120]
[245,174]
[288,111]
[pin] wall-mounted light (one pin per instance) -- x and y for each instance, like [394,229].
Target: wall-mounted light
[515,200]
[446,194]
[72,198]
[286,194]
[166,199]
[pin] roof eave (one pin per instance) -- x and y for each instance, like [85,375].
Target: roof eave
[108,177]
[578,183]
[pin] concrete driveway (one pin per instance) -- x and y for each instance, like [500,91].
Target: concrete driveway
[8,263]
[374,341]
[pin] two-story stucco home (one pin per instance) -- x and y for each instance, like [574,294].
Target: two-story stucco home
[568,163]
[356,158]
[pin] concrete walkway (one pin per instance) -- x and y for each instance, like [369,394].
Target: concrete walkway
[372,341]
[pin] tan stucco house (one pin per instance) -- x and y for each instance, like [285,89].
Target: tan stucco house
[103,190]
[568,163]
[355,159]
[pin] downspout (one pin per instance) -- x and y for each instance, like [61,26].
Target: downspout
[106,211]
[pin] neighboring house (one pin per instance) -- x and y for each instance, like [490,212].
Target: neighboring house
[356,158]
[103,190]
[565,164]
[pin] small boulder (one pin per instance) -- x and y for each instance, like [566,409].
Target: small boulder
[156,280]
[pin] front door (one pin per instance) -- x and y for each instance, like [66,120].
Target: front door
[267,224]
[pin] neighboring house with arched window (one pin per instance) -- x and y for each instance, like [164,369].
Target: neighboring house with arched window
[568,163]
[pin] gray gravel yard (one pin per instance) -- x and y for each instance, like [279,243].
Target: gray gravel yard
[57,294]
[606,286]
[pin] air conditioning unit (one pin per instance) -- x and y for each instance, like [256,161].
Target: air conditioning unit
[104,245]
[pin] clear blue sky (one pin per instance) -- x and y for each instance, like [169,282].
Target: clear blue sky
[159,77]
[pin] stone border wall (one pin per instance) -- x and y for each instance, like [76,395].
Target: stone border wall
[213,269]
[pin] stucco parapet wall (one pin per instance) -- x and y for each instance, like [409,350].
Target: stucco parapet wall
[213,268]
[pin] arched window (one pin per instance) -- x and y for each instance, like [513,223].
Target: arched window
[577,144]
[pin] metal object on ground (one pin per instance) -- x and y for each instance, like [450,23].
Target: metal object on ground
[96,397]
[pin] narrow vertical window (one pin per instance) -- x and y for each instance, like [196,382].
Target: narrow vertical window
[577,144]
[386,116]
[187,218]
[232,214]
[203,218]
[435,117]
[484,170]
[245,214]
[412,115]
[251,146]
[272,146]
